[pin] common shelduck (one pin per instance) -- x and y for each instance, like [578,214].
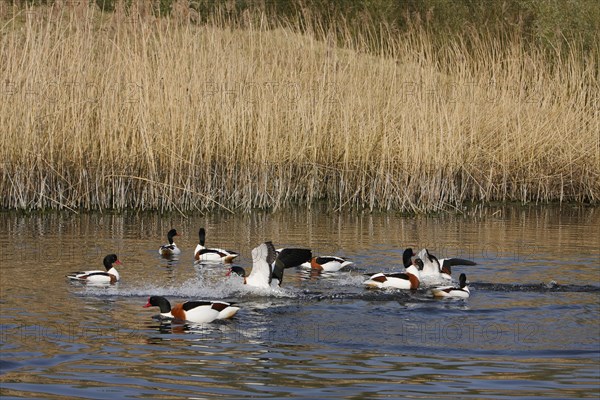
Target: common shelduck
[407,261]
[170,249]
[327,263]
[203,254]
[193,311]
[462,291]
[398,280]
[439,269]
[111,275]
[268,265]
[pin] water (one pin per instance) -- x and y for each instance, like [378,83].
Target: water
[530,328]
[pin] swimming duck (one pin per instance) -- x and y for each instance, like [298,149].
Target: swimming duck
[398,280]
[193,311]
[327,263]
[203,254]
[111,275]
[462,291]
[268,265]
[170,249]
[439,269]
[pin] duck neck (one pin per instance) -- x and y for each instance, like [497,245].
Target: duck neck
[201,237]
[406,259]
[164,306]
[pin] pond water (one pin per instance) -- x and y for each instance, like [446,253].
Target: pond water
[529,330]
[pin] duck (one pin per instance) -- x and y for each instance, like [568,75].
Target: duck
[110,275]
[268,265]
[409,279]
[439,269]
[170,249]
[198,311]
[462,291]
[327,263]
[203,254]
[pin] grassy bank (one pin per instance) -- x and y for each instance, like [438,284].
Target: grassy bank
[125,109]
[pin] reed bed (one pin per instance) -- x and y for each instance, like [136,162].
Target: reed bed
[128,110]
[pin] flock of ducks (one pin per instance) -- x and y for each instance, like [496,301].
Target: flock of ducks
[268,266]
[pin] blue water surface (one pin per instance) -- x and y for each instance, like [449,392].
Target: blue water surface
[529,330]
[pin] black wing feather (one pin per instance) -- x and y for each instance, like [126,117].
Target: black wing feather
[98,273]
[324,260]
[400,275]
[188,305]
[211,251]
[458,261]
[290,257]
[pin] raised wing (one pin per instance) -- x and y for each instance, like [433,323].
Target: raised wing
[263,257]
[458,261]
[288,258]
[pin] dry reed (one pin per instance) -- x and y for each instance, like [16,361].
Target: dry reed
[119,110]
